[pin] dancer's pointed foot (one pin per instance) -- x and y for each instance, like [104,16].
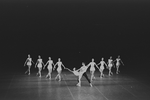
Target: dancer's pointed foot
[78,84]
[91,85]
[94,77]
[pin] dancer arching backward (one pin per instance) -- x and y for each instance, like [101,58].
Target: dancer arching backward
[118,60]
[110,65]
[81,72]
[59,69]
[28,62]
[102,63]
[39,65]
[49,67]
[92,68]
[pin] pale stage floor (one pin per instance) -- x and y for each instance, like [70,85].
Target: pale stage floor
[116,87]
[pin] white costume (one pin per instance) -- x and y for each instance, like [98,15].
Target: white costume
[92,68]
[29,61]
[50,62]
[39,63]
[59,69]
[110,65]
[102,65]
[118,62]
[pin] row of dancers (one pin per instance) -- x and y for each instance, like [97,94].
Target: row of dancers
[79,72]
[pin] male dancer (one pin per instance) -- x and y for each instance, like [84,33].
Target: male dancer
[81,72]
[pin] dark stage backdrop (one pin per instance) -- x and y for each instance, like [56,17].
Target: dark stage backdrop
[75,31]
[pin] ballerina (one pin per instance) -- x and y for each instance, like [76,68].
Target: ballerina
[49,67]
[102,63]
[59,69]
[118,60]
[28,62]
[92,68]
[81,72]
[110,65]
[39,65]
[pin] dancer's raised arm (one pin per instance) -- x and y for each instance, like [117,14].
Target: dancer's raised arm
[68,69]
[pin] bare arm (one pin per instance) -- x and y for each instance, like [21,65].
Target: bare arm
[32,61]
[96,66]
[36,64]
[105,64]
[26,61]
[63,65]
[45,65]
[54,66]
[122,62]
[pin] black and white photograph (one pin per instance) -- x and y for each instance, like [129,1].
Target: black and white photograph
[75,49]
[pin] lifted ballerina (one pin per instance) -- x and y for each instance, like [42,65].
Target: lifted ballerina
[49,67]
[39,65]
[110,65]
[28,62]
[81,72]
[102,63]
[59,69]
[92,69]
[118,60]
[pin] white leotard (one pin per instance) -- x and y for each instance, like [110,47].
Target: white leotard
[50,62]
[110,63]
[92,68]
[39,63]
[29,61]
[118,62]
[59,66]
[102,65]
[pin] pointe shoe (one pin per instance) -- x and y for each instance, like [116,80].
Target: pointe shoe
[46,76]
[79,85]
[91,85]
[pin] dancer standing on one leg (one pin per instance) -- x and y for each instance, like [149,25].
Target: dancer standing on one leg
[28,62]
[102,63]
[39,65]
[110,65]
[49,67]
[92,68]
[59,69]
[118,60]
[81,72]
